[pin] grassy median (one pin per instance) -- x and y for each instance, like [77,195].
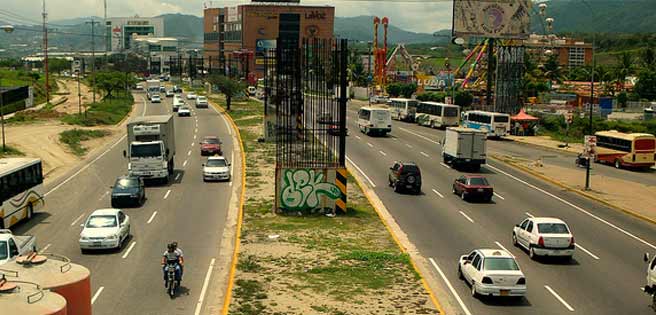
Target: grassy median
[73,139]
[109,111]
[10,151]
[311,263]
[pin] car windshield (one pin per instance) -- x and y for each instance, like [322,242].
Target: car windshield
[124,183]
[145,150]
[504,263]
[409,168]
[216,163]
[553,228]
[210,141]
[101,221]
[3,251]
[478,181]
[201,98]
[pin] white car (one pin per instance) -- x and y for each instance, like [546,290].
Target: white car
[169,93]
[201,102]
[544,237]
[184,111]
[104,228]
[138,87]
[191,96]
[492,272]
[177,102]
[155,98]
[216,168]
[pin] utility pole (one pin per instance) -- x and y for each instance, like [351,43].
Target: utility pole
[590,131]
[93,56]
[45,50]
[2,117]
[79,95]
[490,56]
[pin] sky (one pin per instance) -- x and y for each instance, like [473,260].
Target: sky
[424,16]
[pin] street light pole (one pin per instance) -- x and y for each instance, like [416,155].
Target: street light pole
[590,131]
[93,56]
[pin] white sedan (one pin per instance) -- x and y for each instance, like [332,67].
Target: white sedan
[492,272]
[216,168]
[104,228]
[544,237]
[191,96]
[184,111]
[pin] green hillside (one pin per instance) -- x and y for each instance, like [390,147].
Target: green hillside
[360,28]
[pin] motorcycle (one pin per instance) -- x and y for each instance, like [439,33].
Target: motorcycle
[582,161]
[172,283]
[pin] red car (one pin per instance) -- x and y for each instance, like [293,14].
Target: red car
[210,145]
[473,186]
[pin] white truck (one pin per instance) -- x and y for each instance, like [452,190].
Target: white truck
[464,147]
[12,246]
[152,87]
[151,147]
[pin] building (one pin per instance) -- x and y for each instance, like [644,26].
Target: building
[570,52]
[120,31]
[242,32]
[161,52]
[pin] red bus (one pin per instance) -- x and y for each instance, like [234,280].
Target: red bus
[625,150]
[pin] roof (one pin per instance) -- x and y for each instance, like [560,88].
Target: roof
[465,129]
[10,164]
[216,158]
[473,176]
[104,211]
[546,220]
[210,137]
[156,119]
[622,135]
[484,112]
[438,103]
[522,115]
[487,252]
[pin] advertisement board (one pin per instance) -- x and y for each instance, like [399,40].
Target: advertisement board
[508,19]
[233,14]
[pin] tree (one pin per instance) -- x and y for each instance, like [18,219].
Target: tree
[57,65]
[110,81]
[552,70]
[646,85]
[228,86]
[464,98]
[648,58]
[622,99]
[401,89]
[624,67]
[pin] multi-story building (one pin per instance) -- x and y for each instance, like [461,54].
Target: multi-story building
[569,52]
[243,32]
[161,52]
[120,31]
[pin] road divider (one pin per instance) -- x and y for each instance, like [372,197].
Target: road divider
[561,300]
[95,296]
[127,252]
[203,291]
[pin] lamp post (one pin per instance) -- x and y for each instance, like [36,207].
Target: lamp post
[7,29]
[592,78]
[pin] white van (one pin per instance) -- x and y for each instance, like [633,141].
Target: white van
[374,120]
[177,102]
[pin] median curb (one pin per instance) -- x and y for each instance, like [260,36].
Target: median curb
[574,190]
[383,215]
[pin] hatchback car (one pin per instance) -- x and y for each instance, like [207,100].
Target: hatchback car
[544,237]
[492,272]
[216,168]
[210,145]
[184,111]
[473,186]
[104,228]
[128,190]
[201,102]
[155,98]
[405,176]
[191,96]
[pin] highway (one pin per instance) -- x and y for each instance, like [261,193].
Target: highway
[189,211]
[604,277]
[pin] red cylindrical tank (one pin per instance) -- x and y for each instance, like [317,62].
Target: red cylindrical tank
[59,275]
[26,298]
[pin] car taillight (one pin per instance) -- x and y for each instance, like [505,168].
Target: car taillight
[571,241]
[541,241]
[521,281]
[486,280]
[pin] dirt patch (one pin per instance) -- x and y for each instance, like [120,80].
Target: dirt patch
[71,106]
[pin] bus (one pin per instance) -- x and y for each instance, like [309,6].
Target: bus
[630,150]
[437,115]
[495,124]
[403,109]
[374,120]
[21,189]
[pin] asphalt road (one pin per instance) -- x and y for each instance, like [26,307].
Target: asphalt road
[604,277]
[129,281]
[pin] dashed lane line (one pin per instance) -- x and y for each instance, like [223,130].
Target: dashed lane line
[152,217]
[95,296]
[423,153]
[167,194]
[561,300]
[129,250]
[438,193]
[499,196]
[466,217]
[501,246]
[383,153]
[77,219]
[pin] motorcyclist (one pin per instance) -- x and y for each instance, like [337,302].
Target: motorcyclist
[174,257]
[179,251]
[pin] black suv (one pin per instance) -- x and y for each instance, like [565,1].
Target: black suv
[405,176]
[128,190]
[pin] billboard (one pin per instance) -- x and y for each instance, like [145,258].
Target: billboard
[507,19]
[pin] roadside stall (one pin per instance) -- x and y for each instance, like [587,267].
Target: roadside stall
[523,124]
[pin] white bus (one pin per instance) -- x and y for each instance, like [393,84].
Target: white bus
[21,189]
[374,120]
[437,115]
[403,108]
[495,124]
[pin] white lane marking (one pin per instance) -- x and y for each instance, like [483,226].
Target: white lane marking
[78,219]
[370,145]
[383,153]
[467,217]
[362,172]
[442,163]
[167,194]
[499,196]
[418,135]
[199,305]
[499,244]
[184,164]
[575,207]
[177,176]
[453,291]
[95,296]
[559,298]
[189,153]
[129,250]
[103,196]
[409,146]
[587,251]
[194,137]
[45,248]
[232,159]
[395,139]
[423,153]
[196,130]
[152,217]
[227,125]
[358,137]
[192,144]
[528,214]
[438,193]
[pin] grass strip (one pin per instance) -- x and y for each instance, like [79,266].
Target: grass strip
[73,139]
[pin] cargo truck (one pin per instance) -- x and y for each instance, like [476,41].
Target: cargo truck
[464,147]
[152,87]
[151,147]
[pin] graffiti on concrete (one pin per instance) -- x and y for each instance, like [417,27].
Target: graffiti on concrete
[302,188]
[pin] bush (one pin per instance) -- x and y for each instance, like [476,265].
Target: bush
[401,89]
[73,137]
[431,97]
[110,111]
[464,98]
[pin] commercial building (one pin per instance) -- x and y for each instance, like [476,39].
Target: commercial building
[570,52]
[243,32]
[161,52]
[120,31]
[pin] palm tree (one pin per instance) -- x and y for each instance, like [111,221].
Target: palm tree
[624,68]
[648,58]
[552,70]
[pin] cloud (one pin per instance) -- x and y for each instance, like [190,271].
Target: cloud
[422,17]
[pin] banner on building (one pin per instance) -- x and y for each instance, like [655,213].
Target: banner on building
[438,81]
[509,19]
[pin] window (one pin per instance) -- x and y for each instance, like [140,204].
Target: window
[501,119]
[216,163]
[477,262]
[523,225]
[614,143]
[471,256]
[121,217]
[3,250]
[19,181]
[364,114]
[13,249]
[530,227]
[102,221]
[450,111]
[478,181]
[145,150]
[653,261]
[553,228]
[500,264]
